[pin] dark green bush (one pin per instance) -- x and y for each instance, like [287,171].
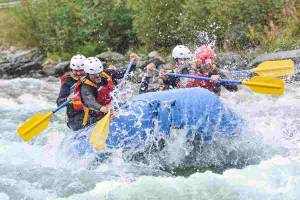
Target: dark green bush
[63,27]
[89,27]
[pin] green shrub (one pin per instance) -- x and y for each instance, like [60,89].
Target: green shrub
[63,27]
[89,27]
[157,22]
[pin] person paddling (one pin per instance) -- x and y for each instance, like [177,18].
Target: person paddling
[205,66]
[182,64]
[95,89]
[68,80]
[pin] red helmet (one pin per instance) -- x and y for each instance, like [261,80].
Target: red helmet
[205,55]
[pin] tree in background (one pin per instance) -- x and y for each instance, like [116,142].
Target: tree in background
[120,28]
[157,22]
[206,16]
[66,27]
[91,26]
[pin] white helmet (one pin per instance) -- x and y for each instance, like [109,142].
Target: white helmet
[181,51]
[77,62]
[93,65]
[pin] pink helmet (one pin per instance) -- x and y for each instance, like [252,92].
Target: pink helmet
[205,55]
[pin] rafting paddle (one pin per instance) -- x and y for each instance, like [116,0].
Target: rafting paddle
[37,123]
[272,68]
[101,129]
[100,133]
[258,84]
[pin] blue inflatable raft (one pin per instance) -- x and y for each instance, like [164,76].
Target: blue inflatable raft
[151,116]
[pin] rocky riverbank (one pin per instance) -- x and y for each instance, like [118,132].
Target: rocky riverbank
[34,63]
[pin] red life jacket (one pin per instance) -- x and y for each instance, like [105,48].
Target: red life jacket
[76,102]
[202,83]
[103,96]
[65,76]
[190,83]
[184,83]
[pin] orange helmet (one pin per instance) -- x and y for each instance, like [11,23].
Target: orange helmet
[204,56]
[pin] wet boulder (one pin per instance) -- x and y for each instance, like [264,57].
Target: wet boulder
[22,63]
[113,58]
[231,61]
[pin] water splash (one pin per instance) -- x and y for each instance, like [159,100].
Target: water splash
[37,170]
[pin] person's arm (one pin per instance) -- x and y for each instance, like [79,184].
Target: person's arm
[144,85]
[170,82]
[146,80]
[64,92]
[89,98]
[119,73]
[228,86]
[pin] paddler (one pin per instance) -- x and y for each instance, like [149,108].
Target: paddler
[68,81]
[96,87]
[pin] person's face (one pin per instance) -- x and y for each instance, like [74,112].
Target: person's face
[95,78]
[78,73]
[161,87]
[207,66]
[182,61]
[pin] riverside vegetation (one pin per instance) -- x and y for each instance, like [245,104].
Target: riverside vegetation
[62,28]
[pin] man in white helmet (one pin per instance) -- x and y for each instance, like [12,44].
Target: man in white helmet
[67,81]
[96,88]
[182,64]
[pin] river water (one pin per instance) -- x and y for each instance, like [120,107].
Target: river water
[262,163]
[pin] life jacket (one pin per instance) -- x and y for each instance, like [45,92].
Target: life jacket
[186,82]
[202,83]
[103,96]
[76,102]
[67,75]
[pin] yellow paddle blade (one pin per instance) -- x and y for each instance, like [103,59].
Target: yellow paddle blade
[265,85]
[275,68]
[100,133]
[34,125]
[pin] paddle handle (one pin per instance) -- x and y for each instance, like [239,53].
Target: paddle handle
[127,71]
[72,88]
[204,78]
[62,105]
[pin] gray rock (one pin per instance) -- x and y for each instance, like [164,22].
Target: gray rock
[294,55]
[114,58]
[21,56]
[49,68]
[281,55]
[22,63]
[231,61]
[61,68]
[153,54]
[156,55]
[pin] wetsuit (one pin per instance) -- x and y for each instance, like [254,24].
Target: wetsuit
[173,82]
[216,86]
[73,116]
[89,94]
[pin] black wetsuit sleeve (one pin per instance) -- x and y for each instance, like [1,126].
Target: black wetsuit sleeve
[88,95]
[170,82]
[228,86]
[64,91]
[119,74]
[145,86]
